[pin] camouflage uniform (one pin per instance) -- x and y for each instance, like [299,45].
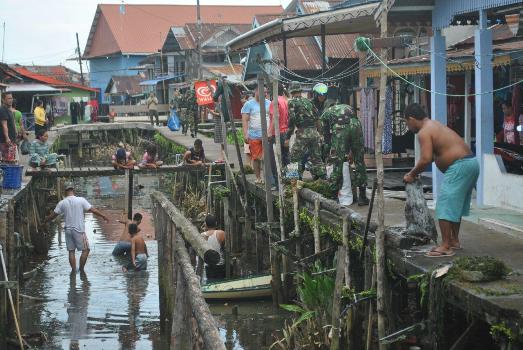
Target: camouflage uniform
[182,105]
[308,140]
[346,135]
[192,111]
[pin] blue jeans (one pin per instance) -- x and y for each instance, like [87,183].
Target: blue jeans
[122,248]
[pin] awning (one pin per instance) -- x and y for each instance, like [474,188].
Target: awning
[423,68]
[31,87]
[348,20]
[158,80]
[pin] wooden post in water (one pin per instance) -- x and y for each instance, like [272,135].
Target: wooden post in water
[296,216]
[381,273]
[316,228]
[130,186]
[336,302]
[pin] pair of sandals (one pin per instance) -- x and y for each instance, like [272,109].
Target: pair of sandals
[434,253]
[259,181]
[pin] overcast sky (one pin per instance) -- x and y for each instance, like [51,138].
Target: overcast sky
[42,32]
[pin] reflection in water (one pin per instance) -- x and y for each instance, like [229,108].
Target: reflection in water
[137,283]
[107,309]
[78,302]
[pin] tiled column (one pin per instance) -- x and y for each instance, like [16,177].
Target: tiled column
[438,87]
[484,103]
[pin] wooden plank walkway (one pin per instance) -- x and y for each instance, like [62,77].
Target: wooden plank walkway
[108,171]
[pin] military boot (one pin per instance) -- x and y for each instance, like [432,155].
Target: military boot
[362,198]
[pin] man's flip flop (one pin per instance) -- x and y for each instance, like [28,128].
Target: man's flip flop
[456,248]
[431,253]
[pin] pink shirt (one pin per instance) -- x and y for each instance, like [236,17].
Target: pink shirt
[283,113]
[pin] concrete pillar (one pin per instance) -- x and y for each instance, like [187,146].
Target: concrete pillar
[438,102]
[416,99]
[484,104]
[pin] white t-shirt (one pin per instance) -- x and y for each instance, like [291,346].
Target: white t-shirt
[73,209]
[252,107]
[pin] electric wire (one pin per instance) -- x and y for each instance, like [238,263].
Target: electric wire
[436,92]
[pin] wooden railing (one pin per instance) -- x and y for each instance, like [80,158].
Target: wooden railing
[183,310]
[122,110]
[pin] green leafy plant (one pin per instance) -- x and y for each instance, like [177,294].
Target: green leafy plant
[501,333]
[313,308]
[221,191]
[230,137]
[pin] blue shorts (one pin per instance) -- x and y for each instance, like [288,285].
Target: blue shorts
[122,248]
[456,190]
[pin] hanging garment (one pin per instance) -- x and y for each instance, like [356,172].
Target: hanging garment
[387,127]
[368,116]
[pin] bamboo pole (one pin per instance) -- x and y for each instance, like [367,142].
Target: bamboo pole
[236,143]
[381,273]
[278,156]
[9,293]
[200,310]
[187,230]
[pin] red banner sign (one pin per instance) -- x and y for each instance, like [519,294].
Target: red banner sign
[204,91]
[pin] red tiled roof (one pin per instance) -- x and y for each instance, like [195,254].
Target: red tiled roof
[50,80]
[143,28]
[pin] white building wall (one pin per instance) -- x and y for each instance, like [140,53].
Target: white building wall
[501,188]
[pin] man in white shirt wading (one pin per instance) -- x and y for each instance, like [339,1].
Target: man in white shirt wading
[73,209]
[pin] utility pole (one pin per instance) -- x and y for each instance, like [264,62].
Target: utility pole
[198,38]
[79,59]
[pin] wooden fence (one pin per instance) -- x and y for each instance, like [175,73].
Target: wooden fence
[183,310]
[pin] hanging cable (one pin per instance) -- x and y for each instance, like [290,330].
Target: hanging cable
[436,92]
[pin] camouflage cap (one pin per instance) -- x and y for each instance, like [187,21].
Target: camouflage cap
[295,87]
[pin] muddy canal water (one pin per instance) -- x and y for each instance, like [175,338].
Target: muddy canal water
[108,309]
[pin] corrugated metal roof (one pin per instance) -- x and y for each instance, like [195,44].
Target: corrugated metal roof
[302,53]
[125,84]
[341,46]
[30,87]
[50,80]
[143,28]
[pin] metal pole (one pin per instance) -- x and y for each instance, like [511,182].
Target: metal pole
[79,59]
[163,80]
[198,38]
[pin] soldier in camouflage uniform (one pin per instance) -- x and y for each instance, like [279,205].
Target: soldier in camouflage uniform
[346,135]
[183,113]
[308,139]
[192,111]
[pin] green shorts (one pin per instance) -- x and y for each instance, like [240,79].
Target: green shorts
[456,189]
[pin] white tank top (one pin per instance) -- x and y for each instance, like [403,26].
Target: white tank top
[215,244]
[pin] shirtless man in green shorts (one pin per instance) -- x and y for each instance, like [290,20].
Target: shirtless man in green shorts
[460,167]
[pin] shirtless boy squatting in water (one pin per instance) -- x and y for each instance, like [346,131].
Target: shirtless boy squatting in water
[123,246]
[139,252]
[461,170]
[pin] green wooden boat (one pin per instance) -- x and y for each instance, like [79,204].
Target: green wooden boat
[253,287]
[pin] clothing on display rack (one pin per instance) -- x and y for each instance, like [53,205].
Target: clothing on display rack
[387,127]
[368,116]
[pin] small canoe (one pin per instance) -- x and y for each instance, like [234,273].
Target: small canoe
[254,287]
